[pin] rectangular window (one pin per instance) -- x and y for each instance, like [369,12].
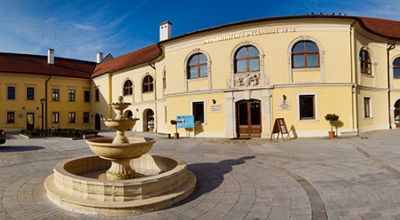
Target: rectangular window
[10,117]
[198,111]
[86,95]
[71,95]
[30,93]
[307,107]
[55,95]
[367,107]
[71,117]
[11,92]
[86,117]
[55,117]
[97,95]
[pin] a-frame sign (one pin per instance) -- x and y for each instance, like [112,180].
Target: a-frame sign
[279,128]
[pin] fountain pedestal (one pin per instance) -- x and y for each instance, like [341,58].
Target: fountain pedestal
[163,180]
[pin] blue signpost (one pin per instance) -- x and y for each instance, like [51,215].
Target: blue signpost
[185,121]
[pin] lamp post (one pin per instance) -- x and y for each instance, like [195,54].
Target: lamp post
[42,101]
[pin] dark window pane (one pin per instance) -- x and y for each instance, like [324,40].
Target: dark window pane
[367,111]
[312,60]
[396,62]
[255,113]
[243,114]
[298,61]
[253,52]
[241,53]
[30,93]
[203,71]
[202,59]
[307,107]
[396,73]
[241,66]
[11,93]
[198,111]
[311,47]
[193,60]
[254,65]
[10,117]
[97,95]
[298,47]
[87,96]
[193,72]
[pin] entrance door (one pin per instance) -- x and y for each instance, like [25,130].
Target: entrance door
[397,113]
[97,120]
[30,121]
[148,116]
[248,114]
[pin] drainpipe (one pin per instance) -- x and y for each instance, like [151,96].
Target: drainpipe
[152,65]
[390,47]
[354,80]
[46,101]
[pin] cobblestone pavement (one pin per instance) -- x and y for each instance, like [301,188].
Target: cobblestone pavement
[345,178]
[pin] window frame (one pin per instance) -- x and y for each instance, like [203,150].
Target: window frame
[57,114]
[147,85]
[14,95]
[204,111]
[28,97]
[247,58]
[55,94]
[88,117]
[197,66]
[395,67]
[305,54]
[367,107]
[86,96]
[71,95]
[367,62]
[13,118]
[69,117]
[127,90]
[315,107]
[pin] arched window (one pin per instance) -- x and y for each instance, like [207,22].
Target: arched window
[365,62]
[305,54]
[396,68]
[127,88]
[147,84]
[247,59]
[197,66]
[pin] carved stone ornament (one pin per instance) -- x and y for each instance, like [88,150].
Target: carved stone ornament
[247,80]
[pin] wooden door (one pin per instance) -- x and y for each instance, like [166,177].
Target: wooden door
[248,118]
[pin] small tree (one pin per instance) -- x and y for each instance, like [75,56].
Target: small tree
[332,118]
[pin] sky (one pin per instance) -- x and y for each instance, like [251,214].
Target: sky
[79,29]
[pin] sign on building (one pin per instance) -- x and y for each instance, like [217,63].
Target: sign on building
[185,121]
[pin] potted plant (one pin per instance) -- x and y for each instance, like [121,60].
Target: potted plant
[176,134]
[332,118]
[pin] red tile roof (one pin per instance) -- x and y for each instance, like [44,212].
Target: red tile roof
[131,59]
[386,28]
[34,64]
[21,63]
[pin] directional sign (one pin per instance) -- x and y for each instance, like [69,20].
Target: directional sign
[185,121]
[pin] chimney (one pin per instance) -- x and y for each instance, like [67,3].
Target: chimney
[99,57]
[165,30]
[50,56]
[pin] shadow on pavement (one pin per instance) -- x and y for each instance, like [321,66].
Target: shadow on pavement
[6,148]
[211,175]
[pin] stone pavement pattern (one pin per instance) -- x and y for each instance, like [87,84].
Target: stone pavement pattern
[347,178]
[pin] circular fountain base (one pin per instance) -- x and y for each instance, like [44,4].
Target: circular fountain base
[79,185]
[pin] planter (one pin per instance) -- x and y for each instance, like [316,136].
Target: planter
[331,134]
[176,135]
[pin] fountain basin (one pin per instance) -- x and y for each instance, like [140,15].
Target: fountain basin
[74,185]
[120,124]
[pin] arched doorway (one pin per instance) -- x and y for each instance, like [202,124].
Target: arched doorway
[97,122]
[148,120]
[248,118]
[397,113]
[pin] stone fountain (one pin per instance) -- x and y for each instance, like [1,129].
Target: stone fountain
[123,179]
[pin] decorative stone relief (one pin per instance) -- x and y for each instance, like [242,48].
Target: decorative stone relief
[246,80]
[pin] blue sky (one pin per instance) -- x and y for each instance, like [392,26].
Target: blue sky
[79,29]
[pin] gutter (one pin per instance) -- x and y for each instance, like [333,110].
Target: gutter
[354,80]
[390,47]
[45,97]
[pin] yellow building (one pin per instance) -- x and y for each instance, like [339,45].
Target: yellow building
[236,79]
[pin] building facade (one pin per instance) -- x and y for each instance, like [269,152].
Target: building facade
[235,80]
